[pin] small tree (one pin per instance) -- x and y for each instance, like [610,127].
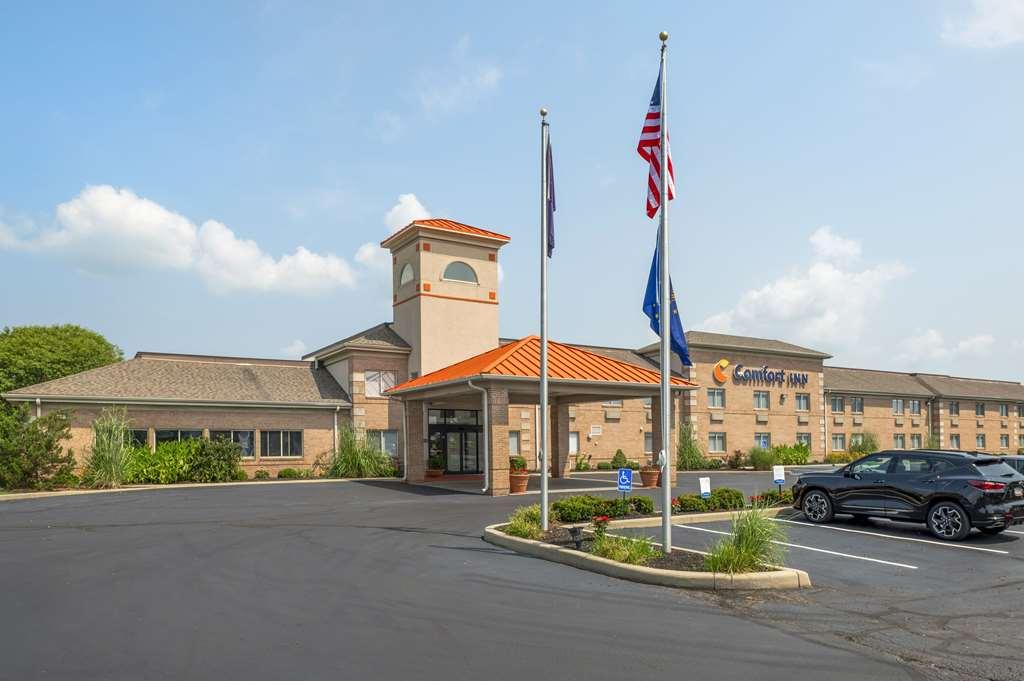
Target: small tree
[619,460]
[867,445]
[32,454]
[355,458]
[933,442]
[111,449]
[689,456]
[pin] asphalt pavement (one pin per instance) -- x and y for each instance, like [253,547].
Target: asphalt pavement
[360,580]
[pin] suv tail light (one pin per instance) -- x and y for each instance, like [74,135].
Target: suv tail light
[987,485]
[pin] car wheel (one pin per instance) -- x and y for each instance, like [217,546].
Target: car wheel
[947,520]
[992,530]
[817,507]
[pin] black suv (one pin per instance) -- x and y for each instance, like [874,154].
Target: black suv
[949,491]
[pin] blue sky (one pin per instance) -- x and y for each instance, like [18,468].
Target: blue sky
[203,177]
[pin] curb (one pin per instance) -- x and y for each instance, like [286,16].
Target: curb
[15,496]
[784,578]
[710,517]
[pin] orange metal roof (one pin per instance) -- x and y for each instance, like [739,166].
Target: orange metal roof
[522,359]
[447,226]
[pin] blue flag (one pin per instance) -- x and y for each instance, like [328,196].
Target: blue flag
[550,207]
[652,308]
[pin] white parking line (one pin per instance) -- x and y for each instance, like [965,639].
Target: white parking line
[1013,532]
[812,548]
[948,545]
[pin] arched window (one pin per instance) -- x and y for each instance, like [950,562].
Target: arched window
[406,275]
[460,271]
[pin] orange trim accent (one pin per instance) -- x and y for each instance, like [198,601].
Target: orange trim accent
[492,256]
[426,246]
[426,286]
[492,295]
[417,247]
[417,287]
[444,226]
[438,295]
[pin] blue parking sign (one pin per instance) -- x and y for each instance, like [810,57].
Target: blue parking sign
[625,479]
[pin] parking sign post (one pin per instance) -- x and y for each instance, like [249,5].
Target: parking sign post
[779,476]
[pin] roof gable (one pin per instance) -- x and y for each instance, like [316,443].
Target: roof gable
[380,337]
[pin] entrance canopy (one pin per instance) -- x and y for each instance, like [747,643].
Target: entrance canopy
[583,375]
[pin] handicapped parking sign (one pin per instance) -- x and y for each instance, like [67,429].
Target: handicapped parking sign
[625,479]
[779,475]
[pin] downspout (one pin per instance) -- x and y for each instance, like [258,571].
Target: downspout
[336,410]
[487,432]
[405,444]
[39,408]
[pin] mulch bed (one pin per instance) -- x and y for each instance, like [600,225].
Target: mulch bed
[677,560]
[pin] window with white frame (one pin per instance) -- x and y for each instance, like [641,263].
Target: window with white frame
[838,404]
[1004,410]
[979,441]
[383,440]
[513,443]
[954,408]
[803,401]
[857,405]
[280,443]
[915,407]
[856,439]
[716,443]
[763,440]
[460,271]
[716,398]
[648,442]
[954,441]
[803,439]
[897,407]
[915,440]
[1020,441]
[762,399]
[244,438]
[377,381]
[574,442]
[406,276]
[838,442]
[1004,441]
[979,408]
[139,438]
[595,431]
[899,441]
[177,434]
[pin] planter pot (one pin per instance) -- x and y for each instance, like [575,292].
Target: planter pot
[651,478]
[517,482]
[434,472]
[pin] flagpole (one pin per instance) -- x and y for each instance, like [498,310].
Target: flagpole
[543,458]
[664,316]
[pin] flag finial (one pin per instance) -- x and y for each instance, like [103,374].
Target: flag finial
[543,112]
[663,35]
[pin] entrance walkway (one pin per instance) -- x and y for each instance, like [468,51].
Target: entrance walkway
[473,484]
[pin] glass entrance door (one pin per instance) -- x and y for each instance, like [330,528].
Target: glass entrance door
[453,445]
[455,435]
[470,460]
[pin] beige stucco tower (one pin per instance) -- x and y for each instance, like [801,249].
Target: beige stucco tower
[445,291]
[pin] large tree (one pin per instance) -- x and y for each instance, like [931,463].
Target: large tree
[33,354]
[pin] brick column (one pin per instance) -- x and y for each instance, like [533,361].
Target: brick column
[497,413]
[561,460]
[416,437]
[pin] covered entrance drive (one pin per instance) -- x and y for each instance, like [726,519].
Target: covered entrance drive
[461,412]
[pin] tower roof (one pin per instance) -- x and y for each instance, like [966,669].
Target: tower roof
[441,225]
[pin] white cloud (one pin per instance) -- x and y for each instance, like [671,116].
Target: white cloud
[373,256]
[106,229]
[829,302]
[990,24]
[460,84]
[294,350]
[405,211]
[931,345]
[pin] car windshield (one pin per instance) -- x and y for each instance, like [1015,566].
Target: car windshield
[995,468]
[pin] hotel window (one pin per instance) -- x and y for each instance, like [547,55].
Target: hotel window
[838,442]
[979,408]
[979,441]
[1020,410]
[762,399]
[803,439]
[763,440]
[574,442]
[1004,410]
[596,431]
[139,438]
[406,275]
[856,439]
[376,382]
[280,443]
[513,443]
[803,401]
[954,409]
[915,440]
[460,271]
[716,398]
[899,441]
[244,438]
[1020,441]
[648,442]
[176,435]
[838,404]
[897,407]
[915,407]
[716,442]
[387,440]
[1004,441]
[857,405]
[954,442]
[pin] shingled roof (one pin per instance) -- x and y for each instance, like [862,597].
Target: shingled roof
[380,337]
[953,386]
[195,379]
[874,382]
[724,341]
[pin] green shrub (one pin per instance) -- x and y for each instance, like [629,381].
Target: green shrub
[867,445]
[689,503]
[604,466]
[689,456]
[750,547]
[111,449]
[791,455]
[615,508]
[841,457]
[635,551]
[240,475]
[356,458]
[289,474]
[761,459]
[736,460]
[435,462]
[171,462]
[578,508]
[633,465]
[261,475]
[642,505]
[32,454]
[517,463]
[217,460]
[773,497]
[713,464]
[581,463]
[726,499]
[619,460]
[525,522]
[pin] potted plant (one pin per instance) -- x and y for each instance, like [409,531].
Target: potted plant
[650,474]
[518,476]
[435,465]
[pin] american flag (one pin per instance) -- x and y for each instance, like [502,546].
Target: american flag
[649,149]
